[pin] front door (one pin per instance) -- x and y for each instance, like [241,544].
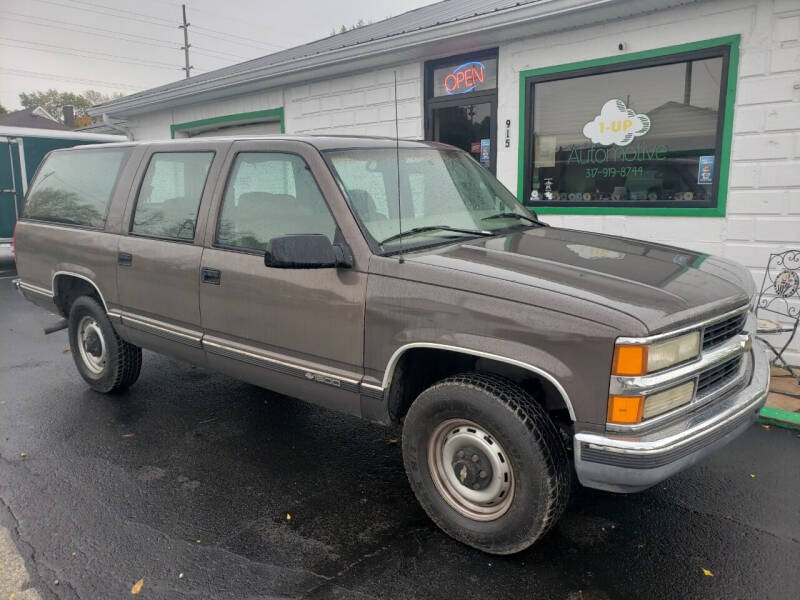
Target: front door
[159,253]
[461,104]
[295,331]
[470,127]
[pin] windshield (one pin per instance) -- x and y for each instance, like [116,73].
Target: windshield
[444,194]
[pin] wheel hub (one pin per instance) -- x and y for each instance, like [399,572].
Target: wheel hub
[92,344]
[472,468]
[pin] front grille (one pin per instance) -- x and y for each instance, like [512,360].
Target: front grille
[718,332]
[716,377]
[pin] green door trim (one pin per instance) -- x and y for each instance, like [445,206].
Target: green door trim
[256,115]
[727,128]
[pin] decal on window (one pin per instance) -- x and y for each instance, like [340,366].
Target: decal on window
[616,124]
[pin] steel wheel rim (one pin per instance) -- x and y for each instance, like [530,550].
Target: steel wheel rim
[486,504]
[88,332]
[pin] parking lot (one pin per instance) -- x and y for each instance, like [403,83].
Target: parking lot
[205,487]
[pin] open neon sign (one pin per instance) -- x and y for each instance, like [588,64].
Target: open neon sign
[465,78]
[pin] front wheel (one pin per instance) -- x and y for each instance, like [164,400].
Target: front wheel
[486,462]
[105,361]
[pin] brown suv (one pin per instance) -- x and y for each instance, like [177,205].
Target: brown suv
[401,283]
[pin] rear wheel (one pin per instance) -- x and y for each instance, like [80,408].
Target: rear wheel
[486,462]
[105,361]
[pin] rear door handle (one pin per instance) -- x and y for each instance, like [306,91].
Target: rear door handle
[211,276]
[124,259]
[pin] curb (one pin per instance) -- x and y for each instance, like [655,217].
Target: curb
[780,418]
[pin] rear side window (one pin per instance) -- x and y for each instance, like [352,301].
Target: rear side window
[75,187]
[271,194]
[170,194]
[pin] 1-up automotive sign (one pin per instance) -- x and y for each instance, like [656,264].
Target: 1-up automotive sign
[616,124]
[465,78]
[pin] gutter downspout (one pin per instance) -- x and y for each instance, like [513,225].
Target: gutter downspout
[117,127]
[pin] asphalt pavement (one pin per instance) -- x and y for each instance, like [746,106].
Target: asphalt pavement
[201,486]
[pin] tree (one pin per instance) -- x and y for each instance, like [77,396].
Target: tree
[54,101]
[96,97]
[344,28]
[3,110]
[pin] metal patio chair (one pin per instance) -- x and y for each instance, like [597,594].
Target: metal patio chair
[780,297]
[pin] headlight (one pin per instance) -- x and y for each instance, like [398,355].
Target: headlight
[643,359]
[665,401]
[629,410]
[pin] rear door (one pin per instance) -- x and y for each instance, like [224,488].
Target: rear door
[10,184]
[158,260]
[296,331]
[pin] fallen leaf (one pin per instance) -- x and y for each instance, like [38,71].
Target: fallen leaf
[22,454]
[137,587]
[288,517]
[180,575]
[198,541]
[74,554]
[128,435]
[707,573]
[67,351]
[392,441]
[752,475]
[765,426]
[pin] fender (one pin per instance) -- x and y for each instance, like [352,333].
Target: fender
[79,276]
[392,364]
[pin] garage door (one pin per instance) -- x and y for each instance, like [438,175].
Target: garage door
[268,128]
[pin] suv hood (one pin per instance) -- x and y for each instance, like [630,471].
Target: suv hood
[659,285]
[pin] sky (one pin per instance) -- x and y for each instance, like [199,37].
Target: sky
[127,46]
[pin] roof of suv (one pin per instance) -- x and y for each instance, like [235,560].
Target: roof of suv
[321,142]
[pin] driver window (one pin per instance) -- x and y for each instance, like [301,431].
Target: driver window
[271,194]
[170,195]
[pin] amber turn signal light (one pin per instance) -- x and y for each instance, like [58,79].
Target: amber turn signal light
[625,409]
[629,360]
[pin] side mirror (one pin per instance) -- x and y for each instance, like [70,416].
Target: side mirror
[306,251]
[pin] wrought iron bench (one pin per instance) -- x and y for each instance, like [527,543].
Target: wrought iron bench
[780,297]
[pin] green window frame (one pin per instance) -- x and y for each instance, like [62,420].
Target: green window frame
[275,114]
[730,51]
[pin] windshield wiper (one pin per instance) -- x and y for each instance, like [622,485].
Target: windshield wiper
[416,230]
[511,215]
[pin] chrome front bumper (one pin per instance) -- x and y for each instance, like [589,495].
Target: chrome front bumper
[629,463]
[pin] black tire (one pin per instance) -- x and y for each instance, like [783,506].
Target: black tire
[539,466]
[123,361]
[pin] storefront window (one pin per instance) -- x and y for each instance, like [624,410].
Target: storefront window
[641,134]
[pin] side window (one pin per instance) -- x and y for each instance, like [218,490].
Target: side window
[170,194]
[270,194]
[75,187]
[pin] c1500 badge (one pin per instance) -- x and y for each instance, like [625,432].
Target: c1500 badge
[323,379]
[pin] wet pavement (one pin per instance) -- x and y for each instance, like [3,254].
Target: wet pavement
[205,487]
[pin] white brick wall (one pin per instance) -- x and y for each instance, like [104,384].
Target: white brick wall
[360,104]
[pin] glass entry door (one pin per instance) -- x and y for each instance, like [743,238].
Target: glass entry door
[469,127]
[461,104]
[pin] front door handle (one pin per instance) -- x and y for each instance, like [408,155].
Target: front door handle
[211,276]
[124,259]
